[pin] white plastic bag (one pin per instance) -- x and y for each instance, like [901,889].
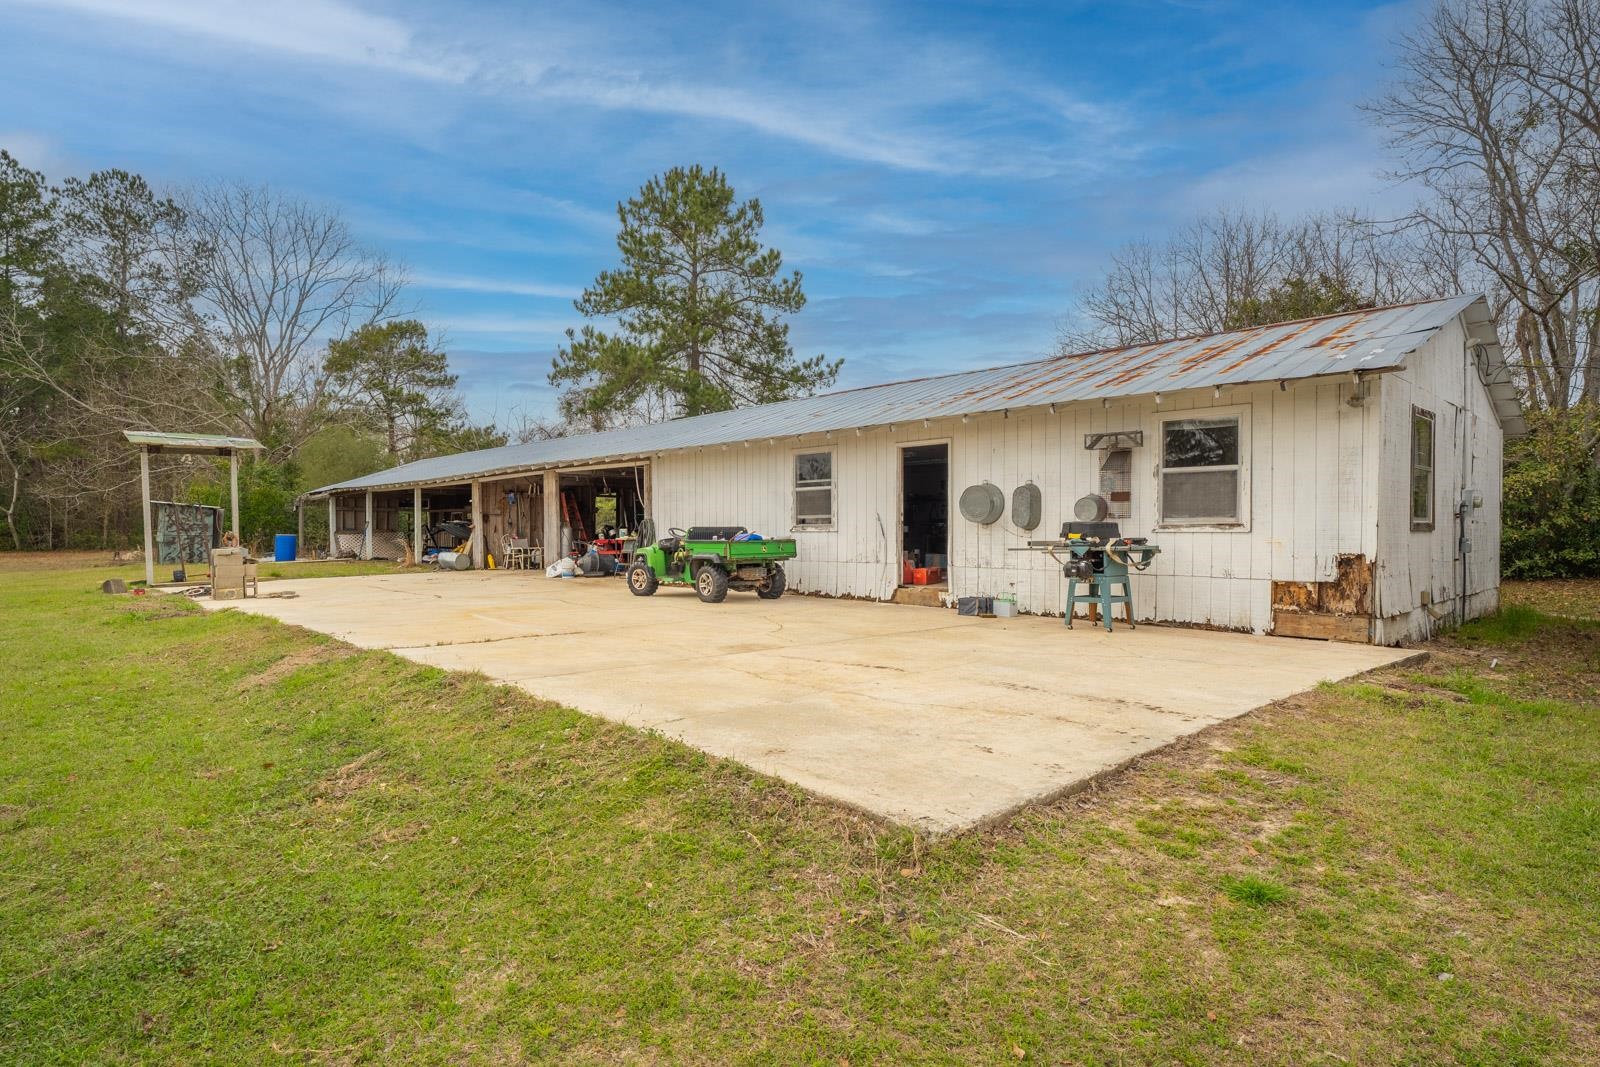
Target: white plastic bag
[561,568]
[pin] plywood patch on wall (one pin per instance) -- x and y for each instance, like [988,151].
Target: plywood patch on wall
[1336,610]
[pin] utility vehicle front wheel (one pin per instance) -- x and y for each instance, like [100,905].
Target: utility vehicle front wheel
[641,579]
[711,582]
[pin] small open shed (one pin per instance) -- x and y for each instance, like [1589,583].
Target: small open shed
[156,442]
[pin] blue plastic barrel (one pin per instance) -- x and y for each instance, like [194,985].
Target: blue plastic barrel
[284,548]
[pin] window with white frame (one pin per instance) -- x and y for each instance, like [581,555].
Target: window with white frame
[813,489]
[1201,471]
[1421,469]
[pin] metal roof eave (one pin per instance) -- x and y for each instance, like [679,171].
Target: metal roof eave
[190,443]
[351,486]
[1504,396]
[1370,340]
[575,465]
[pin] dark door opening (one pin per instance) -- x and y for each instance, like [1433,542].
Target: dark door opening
[925,511]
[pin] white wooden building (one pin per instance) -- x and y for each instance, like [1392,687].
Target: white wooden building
[1333,477]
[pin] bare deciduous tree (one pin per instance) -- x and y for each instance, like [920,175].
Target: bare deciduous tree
[279,278]
[1496,117]
[1221,271]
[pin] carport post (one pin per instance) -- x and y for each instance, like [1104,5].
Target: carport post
[366,535]
[233,478]
[416,525]
[149,538]
[299,526]
[477,525]
[551,497]
[333,528]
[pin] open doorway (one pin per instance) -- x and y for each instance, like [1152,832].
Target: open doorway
[924,514]
[603,511]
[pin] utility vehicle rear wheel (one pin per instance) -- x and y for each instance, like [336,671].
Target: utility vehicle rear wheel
[773,587]
[641,579]
[711,582]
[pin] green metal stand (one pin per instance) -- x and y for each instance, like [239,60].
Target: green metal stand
[1100,591]
[1099,595]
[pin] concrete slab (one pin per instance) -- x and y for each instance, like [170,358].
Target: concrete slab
[914,714]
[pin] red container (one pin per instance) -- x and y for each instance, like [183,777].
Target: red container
[919,575]
[906,572]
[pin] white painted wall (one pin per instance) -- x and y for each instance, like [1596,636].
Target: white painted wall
[1311,484]
[1440,378]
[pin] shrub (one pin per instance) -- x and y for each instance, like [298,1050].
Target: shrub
[1551,512]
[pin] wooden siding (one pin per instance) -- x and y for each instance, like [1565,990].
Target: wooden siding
[1309,480]
[504,519]
[1439,378]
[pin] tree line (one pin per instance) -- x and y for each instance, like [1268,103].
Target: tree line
[221,308]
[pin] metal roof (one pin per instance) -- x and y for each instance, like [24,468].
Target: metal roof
[190,442]
[1373,340]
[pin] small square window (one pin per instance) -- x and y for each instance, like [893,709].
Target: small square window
[813,489]
[1200,471]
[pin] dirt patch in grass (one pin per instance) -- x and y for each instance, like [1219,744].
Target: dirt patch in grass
[153,607]
[294,661]
[67,559]
[351,778]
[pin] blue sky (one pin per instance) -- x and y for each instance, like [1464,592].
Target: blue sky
[946,176]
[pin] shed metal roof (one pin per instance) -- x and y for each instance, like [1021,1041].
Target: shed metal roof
[1373,340]
[190,442]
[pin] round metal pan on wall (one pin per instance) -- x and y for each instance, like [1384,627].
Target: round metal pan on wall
[982,503]
[1091,508]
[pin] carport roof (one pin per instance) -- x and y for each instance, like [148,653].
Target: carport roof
[1377,339]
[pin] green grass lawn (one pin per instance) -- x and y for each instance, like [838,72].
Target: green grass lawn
[226,839]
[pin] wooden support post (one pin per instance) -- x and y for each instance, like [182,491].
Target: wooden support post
[552,517]
[149,534]
[416,525]
[477,525]
[233,478]
[299,527]
[333,527]
[366,536]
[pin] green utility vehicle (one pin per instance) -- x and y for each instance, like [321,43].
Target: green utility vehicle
[710,559]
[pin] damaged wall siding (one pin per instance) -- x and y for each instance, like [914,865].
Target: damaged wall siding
[1312,463]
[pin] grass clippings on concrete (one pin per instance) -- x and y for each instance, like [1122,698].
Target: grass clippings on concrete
[223,839]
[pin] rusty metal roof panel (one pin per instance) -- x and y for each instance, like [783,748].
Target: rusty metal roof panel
[1376,339]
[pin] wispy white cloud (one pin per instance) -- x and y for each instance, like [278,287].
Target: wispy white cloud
[468,283]
[1339,173]
[885,109]
[494,324]
[325,30]
[36,151]
[905,225]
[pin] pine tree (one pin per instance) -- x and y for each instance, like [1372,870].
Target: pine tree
[697,301]
[395,377]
